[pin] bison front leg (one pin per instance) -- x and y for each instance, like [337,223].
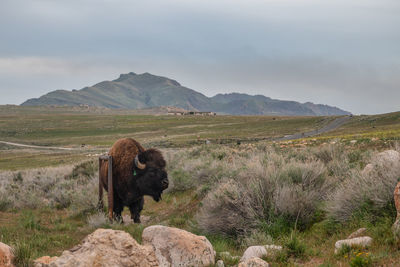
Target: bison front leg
[118,207]
[135,209]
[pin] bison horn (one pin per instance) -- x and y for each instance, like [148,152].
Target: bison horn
[138,164]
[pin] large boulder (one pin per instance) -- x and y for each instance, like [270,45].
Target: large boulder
[6,255]
[106,248]
[176,247]
[396,225]
[364,241]
[253,262]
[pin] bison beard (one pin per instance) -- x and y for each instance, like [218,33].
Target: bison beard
[133,180]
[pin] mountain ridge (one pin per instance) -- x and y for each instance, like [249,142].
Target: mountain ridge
[137,91]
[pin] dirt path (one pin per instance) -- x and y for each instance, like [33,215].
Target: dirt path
[40,147]
[329,127]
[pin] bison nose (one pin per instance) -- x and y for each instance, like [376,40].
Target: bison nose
[165,183]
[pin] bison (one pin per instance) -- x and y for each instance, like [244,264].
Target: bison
[136,172]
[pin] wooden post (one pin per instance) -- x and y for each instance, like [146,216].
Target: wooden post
[110,189]
[100,205]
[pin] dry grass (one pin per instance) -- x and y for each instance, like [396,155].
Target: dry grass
[56,187]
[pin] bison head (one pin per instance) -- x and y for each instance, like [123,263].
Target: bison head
[151,177]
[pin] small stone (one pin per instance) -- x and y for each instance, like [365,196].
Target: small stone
[220,263]
[253,262]
[254,252]
[6,255]
[358,233]
[364,241]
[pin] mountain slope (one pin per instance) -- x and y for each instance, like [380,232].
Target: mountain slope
[133,91]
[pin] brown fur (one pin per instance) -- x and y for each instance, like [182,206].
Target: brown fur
[123,152]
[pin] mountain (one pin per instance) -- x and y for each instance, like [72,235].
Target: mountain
[137,91]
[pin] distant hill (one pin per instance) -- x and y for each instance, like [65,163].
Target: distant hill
[140,91]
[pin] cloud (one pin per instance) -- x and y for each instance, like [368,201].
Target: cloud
[336,52]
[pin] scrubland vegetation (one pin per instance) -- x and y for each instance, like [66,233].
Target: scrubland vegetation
[302,198]
[242,189]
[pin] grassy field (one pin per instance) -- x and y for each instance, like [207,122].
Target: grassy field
[48,197]
[98,130]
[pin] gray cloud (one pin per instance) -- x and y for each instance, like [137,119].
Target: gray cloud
[340,53]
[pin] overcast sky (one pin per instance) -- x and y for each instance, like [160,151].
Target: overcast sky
[342,53]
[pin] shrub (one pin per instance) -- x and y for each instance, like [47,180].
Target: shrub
[257,238]
[365,192]
[227,210]
[97,220]
[295,247]
[83,171]
[267,190]
[22,254]
[181,180]
[5,203]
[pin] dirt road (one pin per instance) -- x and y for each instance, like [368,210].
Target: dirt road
[329,127]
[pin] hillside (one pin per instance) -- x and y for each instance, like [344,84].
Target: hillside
[138,91]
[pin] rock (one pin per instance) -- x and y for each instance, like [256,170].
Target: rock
[396,225]
[44,261]
[253,262]
[358,233]
[176,247]
[220,263]
[6,255]
[386,158]
[353,142]
[363,242]
[107,247]
[254,252]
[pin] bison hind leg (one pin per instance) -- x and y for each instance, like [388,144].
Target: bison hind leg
[135,209]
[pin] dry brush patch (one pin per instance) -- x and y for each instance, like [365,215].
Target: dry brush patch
[56,187]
